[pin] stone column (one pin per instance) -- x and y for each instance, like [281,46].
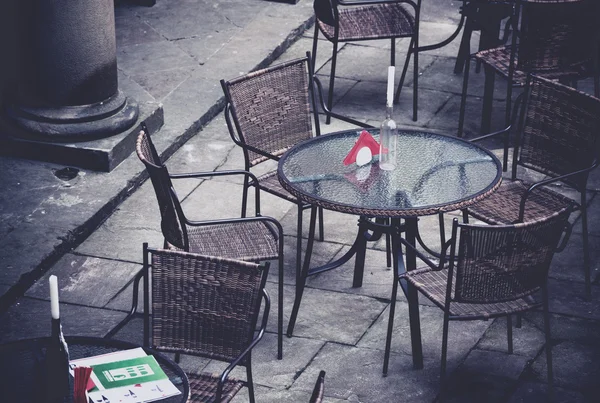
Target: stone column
[68,87]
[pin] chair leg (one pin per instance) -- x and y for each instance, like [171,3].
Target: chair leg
[393,52]
[301,277]
[509,336]
[299,242]
[331,81]
[488,99]
[415,81]
[250,381]
[321,225]
[463,100]
[444,354]
[280,305]
[314,49]
[465,214]
[404,70]
[134,306]
[464,48]
[586,246]
[548,343]
[388,341]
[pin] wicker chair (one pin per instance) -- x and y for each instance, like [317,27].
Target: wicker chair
[351,21]
[267,112]
[556,39]
[559,136]
[319,389]
[251,239]
[492,271]
[208,307]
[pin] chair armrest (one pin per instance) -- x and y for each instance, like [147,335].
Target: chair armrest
[425,259]
[319,86]
[548,181]
[508,128]
[251,177]
[243,354]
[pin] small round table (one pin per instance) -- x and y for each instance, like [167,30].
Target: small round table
[434,174]
[20,360]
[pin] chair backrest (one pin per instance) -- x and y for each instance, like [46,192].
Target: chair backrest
[559,130]
[270,110]
[326,11]
[171,213]
[319,389]
[555,34]
[202,305]
[499,263]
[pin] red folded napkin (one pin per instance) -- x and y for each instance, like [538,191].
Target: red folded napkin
[82,383]
[364,140]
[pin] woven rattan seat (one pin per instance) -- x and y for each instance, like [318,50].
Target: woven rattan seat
[433,283]
[379,21]
[208,307]
[490,271]
[203,388]
[250,241]
[502,207]
[341,21]
[558,136]
[556,39]
[253,239]
[499,60]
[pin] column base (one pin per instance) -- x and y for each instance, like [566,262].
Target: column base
[76,123]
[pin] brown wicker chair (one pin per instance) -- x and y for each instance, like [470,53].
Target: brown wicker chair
[208,307]
[251,239]
[267,112]
[555,39]
[491,271]
[351,21]
[559,136]
[319,389]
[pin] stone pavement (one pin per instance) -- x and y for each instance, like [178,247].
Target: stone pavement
[89,230]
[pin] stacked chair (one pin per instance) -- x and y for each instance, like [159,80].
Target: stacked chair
[556,39]
[558,135]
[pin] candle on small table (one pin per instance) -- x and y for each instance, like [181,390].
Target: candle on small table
[54,297]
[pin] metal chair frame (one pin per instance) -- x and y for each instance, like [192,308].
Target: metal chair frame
[244,358]
[451,264]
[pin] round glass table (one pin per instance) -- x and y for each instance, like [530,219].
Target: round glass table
[434,174]
[20,363]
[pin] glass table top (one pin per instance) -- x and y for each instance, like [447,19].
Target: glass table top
[434,173]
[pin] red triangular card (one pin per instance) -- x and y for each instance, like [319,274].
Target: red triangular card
[364,140]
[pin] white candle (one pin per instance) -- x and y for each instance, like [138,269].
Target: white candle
[54,297]
[390,85]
